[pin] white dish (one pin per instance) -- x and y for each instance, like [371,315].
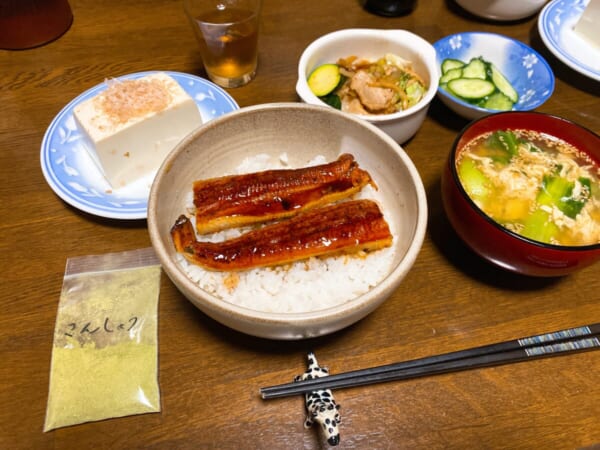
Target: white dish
[72,174]
[373,44]
[502,10]
[555,24]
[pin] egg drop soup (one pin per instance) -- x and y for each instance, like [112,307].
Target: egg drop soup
[535,185]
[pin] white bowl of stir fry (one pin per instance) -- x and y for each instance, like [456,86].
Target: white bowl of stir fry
[386,77]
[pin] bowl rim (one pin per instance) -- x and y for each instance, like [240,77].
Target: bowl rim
[540,100]
[427,54]
[453,171]
[362,302]
[527,10]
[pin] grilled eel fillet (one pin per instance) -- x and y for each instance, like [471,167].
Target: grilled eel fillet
[349,227]
[238,200]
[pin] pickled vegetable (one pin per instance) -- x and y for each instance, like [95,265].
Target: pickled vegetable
[478,82]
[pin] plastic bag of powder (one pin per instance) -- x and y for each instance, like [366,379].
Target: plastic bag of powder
[104,356]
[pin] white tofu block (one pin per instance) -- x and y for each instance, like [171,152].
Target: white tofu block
[588,25]
[134,124]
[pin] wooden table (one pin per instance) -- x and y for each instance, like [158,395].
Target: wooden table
[209,374]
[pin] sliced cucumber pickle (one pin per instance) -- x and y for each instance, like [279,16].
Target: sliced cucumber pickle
[497,101]
[503,84]
[471,88]
[478,82]
[476,68]
[450,64]
[451,74]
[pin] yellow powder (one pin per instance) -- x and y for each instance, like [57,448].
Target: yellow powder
[104,358]
[91,384]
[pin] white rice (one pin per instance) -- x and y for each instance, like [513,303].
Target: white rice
[310,285]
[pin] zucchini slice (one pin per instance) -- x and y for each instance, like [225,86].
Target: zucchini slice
[450,64]
[471,88]
[503,84]
[324,79]
[476,68]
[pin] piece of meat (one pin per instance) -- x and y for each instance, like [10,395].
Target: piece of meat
[238,200]
[349,227]
[372,97]
[353,105]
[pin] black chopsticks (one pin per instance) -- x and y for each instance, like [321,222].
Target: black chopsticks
[543,345]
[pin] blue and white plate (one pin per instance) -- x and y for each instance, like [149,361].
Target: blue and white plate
[555,23]
[526,70]
[73,175]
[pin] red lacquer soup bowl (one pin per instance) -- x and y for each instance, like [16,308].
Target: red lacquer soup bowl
[492,241]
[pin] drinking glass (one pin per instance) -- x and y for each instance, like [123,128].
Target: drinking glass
[227,31]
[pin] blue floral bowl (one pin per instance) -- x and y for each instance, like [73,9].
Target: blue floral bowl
[525,69]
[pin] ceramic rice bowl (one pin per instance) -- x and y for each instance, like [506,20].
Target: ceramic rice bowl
[302,132]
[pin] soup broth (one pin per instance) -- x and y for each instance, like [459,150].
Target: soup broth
[534,185]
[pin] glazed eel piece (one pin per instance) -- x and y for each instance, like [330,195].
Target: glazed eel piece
[238,200]
[346,227]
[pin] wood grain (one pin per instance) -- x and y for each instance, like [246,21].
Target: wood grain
[210,375]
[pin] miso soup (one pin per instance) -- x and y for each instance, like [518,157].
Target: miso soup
[535,185]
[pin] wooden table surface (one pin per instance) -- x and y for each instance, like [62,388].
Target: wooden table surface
[209,374]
